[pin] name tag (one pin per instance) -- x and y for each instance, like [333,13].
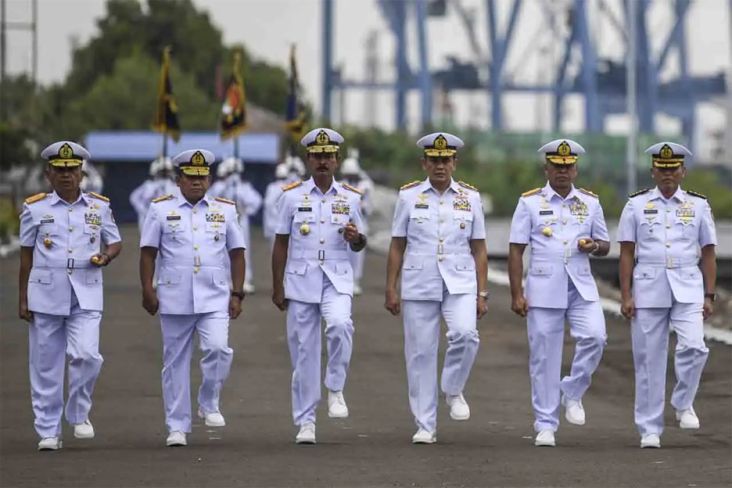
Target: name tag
[304,209]
[650,211]
[47,221]
[172,217]
[546,212]
[421,205]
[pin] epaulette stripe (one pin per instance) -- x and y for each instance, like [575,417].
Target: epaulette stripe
[162,198]
[292,185]
[35,198]
[531,192]
[639,192]
[99,197]
[353,189]
[410,185]
[467,185]
[695,194]
[225,200]
[588,192]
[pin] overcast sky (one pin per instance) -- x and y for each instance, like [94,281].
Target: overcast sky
[268,27]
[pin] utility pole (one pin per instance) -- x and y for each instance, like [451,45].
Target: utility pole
[631,102]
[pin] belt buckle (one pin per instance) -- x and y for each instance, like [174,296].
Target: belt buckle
[440,248]
[669,262]
[321,255]
[70,263]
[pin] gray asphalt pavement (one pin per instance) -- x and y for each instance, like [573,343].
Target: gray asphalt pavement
[372,447]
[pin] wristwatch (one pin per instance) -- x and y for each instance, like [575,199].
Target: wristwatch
[711,296]
[484,294]
[239,294]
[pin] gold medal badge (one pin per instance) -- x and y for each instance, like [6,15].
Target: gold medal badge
[304,229]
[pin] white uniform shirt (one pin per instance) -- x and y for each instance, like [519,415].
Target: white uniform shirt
[553,226]
[438,229]
[193,242]
[64,237]
[315,221]
[668,235]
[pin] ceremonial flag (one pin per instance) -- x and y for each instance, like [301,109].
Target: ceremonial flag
[166,113]
[233,111]
[295,111]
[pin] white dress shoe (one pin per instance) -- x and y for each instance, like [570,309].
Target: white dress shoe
[50,444]
[424,436]
[306,435]
[249,288]
[459,409]
[357,290]
[213,419]
[650,440]
[176,438]
[574,412]
[337,408]
[545,438]
[84,430]
[687,418]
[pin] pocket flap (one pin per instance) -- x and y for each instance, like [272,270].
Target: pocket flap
[219,278]
[412,263]
[643,273]
[297,267]
[94,277]
[541,269]
[466,266]
[168,278]
[342,268]
[41,276]
[463,215]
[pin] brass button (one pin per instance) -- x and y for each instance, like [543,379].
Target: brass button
[195,211]
[68,271]
[441,220]
[565,242]
[322,241]
[441,240]
[441,202]
[322,221]
[195,246]
[71,209]
[668,226]
[195,227]
[70,251]
[668,244]
[440,258]
[71,229]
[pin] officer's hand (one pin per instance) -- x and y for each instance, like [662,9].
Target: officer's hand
[586,245]
[482,306]
[234,307]
[627,308]
[520,306]
[99,260]
[392,302]
[708,308]
[350,232]
[150,301]
[24,313]
[278,298]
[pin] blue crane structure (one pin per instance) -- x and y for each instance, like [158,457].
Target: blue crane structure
[601,82]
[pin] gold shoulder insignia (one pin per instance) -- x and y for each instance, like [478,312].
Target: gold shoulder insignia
[588,192]
[99,197]
[639,192]
[410,185]
[353,189]
[225,200]
[292,185]
[162,198]
[695,194]
[35,198]
[467,185]
[531,192]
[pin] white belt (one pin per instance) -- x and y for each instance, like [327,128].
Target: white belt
[318,254]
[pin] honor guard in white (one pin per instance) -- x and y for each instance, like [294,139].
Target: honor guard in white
[199,244]
[319,220]
[357,178]
[663,233]
[248,202]
[284,175]
[66,237]
[563,225]
[91,179]
[438,247]
[160,183]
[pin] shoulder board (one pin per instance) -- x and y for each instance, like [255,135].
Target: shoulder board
[35,198]
[639,192]
[466,185]
[292,185]
[225,200]
[353,189]
[531,192]
[588,192]
[99,197]
[695,194]
[410,185]
[162,198]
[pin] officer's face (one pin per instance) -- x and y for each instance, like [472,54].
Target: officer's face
[560,176]
[439,168]
[668,178]
[64,179]
[193,188]
[322,164]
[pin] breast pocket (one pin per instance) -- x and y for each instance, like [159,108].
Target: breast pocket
[339,219]
[540,270]
[463,221]
[40,276]
[650,230]
[169,278]
[173,233]
[297,268]
[91,232]
[419,215]
[688,231]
